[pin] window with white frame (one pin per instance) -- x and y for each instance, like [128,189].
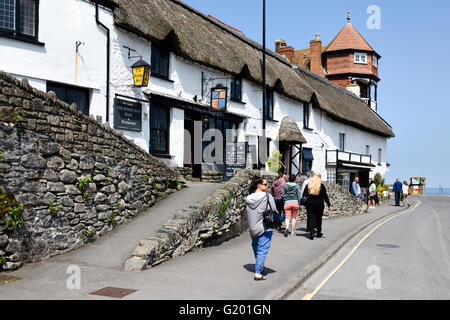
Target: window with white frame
[361,57]
[367,150]
[375,61]
[380,154]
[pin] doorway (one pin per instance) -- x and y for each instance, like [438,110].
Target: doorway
[189,145]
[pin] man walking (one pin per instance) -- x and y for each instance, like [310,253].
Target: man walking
[356,189]
[398,188]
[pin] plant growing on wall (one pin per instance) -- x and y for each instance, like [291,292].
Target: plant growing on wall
[275,164]
[10,211]
[89,233]
[14,219]
[83,185]
[54,208]
[224,205]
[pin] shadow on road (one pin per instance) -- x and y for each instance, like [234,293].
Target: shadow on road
[251,268]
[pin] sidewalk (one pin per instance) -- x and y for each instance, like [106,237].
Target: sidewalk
[224,272]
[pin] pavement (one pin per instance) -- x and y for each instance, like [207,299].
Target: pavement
[223,272]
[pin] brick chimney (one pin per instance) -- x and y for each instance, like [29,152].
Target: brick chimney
[283,49]
[316,56]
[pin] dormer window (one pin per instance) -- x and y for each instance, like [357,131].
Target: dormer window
[361,57]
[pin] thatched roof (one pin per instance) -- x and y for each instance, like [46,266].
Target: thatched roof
[204,40]
[289,132]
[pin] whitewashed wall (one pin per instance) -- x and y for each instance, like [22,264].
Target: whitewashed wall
[76,22]
[61,24]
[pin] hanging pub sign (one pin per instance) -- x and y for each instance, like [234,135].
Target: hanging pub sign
[219,99]
[127,115]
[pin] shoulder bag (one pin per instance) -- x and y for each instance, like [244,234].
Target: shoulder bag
[270,218]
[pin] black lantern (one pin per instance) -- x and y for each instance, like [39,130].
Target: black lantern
[141,73]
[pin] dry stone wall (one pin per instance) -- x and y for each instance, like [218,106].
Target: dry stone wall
[216,219]
[66,179]
[220,217]
[343,203]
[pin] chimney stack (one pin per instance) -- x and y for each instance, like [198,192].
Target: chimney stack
[316,56]
[283,49]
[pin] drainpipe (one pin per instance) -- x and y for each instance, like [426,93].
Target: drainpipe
[108,62]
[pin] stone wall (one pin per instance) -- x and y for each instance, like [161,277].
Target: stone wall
[218,218]
[343,203]
[48,150]
[212,221]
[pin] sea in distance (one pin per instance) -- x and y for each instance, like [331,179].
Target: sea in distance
[437,191]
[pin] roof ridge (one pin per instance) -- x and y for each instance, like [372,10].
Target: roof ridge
[239,35]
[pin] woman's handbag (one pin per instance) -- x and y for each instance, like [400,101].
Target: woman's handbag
[304,201]
[271,219]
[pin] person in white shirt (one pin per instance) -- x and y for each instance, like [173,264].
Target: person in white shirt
[405,189]
[372,191]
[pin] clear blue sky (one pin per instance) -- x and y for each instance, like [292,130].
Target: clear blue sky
[414,42]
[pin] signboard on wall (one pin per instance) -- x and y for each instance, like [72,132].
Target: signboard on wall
[235,158]
[219,99]
[127,115]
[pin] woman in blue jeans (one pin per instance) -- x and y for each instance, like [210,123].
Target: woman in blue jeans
[261,237]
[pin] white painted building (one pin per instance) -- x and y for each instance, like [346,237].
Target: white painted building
[70,56]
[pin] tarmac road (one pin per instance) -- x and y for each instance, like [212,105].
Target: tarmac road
[405,258]
[223,272]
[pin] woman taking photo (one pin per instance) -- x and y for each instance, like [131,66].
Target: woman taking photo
[316,194]
[261,236]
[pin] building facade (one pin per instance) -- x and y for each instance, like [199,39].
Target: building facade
[348,61]
[202,86]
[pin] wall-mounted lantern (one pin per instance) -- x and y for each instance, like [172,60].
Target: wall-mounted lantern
[141,70]
[141,73]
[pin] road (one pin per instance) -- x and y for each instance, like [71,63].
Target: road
[404,256]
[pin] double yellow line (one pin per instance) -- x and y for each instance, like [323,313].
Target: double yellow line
[309,296]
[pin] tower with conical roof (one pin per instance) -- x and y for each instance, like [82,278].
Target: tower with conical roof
[348,61]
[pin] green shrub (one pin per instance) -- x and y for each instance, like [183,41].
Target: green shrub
[14,219]
[275,164]
[54,208]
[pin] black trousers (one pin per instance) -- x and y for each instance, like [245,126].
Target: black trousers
[315,219]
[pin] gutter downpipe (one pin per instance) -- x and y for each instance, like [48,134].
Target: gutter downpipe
[264,90]
[108,62]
